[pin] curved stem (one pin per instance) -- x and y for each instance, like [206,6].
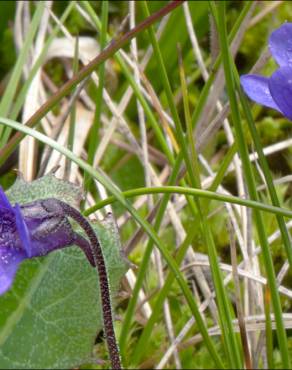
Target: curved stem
[196,193]
[103,282]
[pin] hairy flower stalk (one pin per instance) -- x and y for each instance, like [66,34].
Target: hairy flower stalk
[40,227]
[103,281]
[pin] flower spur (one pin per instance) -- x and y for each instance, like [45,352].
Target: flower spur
[33,230]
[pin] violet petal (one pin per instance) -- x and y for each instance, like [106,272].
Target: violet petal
[280,85]
[257,89]
[9,261]
[280,44]
[4,201]
[22,230]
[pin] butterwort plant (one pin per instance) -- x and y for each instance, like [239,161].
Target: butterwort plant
[274,91]
[37,228]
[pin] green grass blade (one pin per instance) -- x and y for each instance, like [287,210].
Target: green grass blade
[224,306]
[206,194]
[129,76]
[204,94]
[7,99]
[142,271]
[71,133]
[94,132]
[225,310]
[17,106]
[269,331]
[140,346]
[223,167]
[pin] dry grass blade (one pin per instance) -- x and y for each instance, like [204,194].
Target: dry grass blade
[28,147]
[239,309]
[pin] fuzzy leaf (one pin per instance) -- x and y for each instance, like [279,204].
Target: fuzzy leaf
[53,313]
[47,186]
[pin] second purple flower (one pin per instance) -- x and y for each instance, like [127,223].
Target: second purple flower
[275,91]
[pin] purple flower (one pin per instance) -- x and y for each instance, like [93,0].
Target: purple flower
[276,91]
[32,230]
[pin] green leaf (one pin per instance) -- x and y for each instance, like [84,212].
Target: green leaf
[176,27]
[45,187]
[52,315]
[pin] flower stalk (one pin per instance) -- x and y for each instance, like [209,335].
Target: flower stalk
[103,281]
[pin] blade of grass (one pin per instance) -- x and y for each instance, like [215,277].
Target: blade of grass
[269,331]
[229,337]
[223,168]
[204,94]
[17,106]
[238,300]
[10,90]
[242,147]
[94,132]
[140,346]
[141,274]
[71,132]
[225,310]
[136,89]
[166,189]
